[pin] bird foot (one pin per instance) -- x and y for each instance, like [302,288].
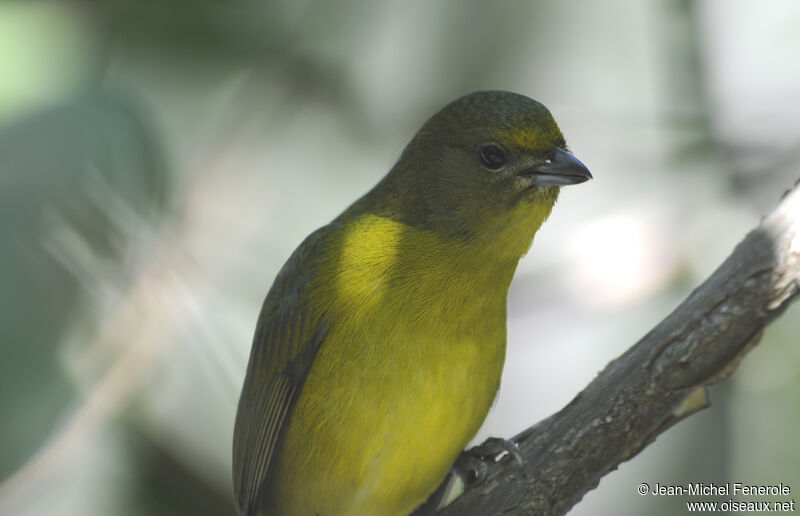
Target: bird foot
[471,466]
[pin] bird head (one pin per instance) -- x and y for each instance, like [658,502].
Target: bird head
[487,166]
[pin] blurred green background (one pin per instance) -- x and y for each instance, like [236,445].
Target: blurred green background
[160,160]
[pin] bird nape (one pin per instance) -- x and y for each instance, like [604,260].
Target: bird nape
[380,345]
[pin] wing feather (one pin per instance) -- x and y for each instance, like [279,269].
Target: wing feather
[287,338]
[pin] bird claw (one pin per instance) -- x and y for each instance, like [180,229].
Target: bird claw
[471,470]
[472,466]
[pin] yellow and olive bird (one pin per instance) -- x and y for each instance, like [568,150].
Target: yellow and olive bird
[379,348]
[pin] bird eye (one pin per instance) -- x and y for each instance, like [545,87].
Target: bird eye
[492,156]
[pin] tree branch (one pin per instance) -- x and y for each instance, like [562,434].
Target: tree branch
[653,385]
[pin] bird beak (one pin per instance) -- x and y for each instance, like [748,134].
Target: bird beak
[561,170]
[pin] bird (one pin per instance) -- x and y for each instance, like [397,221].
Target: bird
[380,346]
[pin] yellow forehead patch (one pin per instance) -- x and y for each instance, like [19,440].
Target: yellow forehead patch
[536,137]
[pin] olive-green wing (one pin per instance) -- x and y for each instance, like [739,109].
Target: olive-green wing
[288,335]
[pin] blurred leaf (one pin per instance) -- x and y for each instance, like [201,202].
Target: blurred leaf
[75,182]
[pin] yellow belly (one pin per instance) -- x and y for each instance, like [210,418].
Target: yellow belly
[406,374]
[375,434]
